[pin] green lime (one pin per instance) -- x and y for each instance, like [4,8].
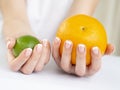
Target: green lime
[24,42]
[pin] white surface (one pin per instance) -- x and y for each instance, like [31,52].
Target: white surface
[51,78]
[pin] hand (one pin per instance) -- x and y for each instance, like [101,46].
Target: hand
[80,69]
[29,60]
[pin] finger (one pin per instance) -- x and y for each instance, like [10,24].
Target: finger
[66,56]
[18,62]
[80,68]
[95,61]
[110,49]
[45,56]
[55,50]
[29,66]
[10,55]
[10,43]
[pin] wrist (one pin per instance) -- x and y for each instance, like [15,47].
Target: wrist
[15,17]
[13,10]
[15,20]
[15,28]
[86,7]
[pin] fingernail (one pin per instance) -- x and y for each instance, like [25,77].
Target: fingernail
[8,43]
[95,50]
[68,44]
[39,47]
[81,48]
[45,42]
[28,52]
[57,40]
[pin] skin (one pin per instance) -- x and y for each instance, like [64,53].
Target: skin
[64,62]
[16,24]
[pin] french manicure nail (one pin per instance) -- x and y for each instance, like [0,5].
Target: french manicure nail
[45,42]
[95,50]
[28,52]
[68,44]
[8,43]
[57,40]
[81,48]
[39,47]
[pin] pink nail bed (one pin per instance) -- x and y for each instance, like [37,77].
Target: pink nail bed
[68,44]
[81,48]
[39,47]
[95,50]
[28,52]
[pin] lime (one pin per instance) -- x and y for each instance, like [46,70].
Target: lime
[24,42]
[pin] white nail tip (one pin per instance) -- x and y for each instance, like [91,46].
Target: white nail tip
[95,50]
[68,43]
[81,47]
[45,42]
[39,47]
[28,52]
[8,43]
[58,39]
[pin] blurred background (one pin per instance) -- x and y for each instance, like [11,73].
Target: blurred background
[108,12]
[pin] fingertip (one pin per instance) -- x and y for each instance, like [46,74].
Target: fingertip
[110,49]
[81,48]
[96,53]
[56,44]
[28,52]
[45,42]
[95,50]
[56,41]
[39,47]
[96,61]
[68,44]
[25,54]
[10,43]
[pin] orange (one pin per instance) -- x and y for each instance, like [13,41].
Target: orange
[82,29]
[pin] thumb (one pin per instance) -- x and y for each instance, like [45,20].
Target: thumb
[10,43]
[110,49]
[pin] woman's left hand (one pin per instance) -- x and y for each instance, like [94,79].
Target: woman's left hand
[80,69]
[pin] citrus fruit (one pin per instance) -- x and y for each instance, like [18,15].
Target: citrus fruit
[82,29]
[24,42]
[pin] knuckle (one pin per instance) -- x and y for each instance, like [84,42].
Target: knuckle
[96,69]
[39,68]
[13,68]
[46,61]
[26,71]
[81,56]
[66,52]
[55,57]
[65,67]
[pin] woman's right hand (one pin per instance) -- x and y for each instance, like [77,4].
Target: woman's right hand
[29,60]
